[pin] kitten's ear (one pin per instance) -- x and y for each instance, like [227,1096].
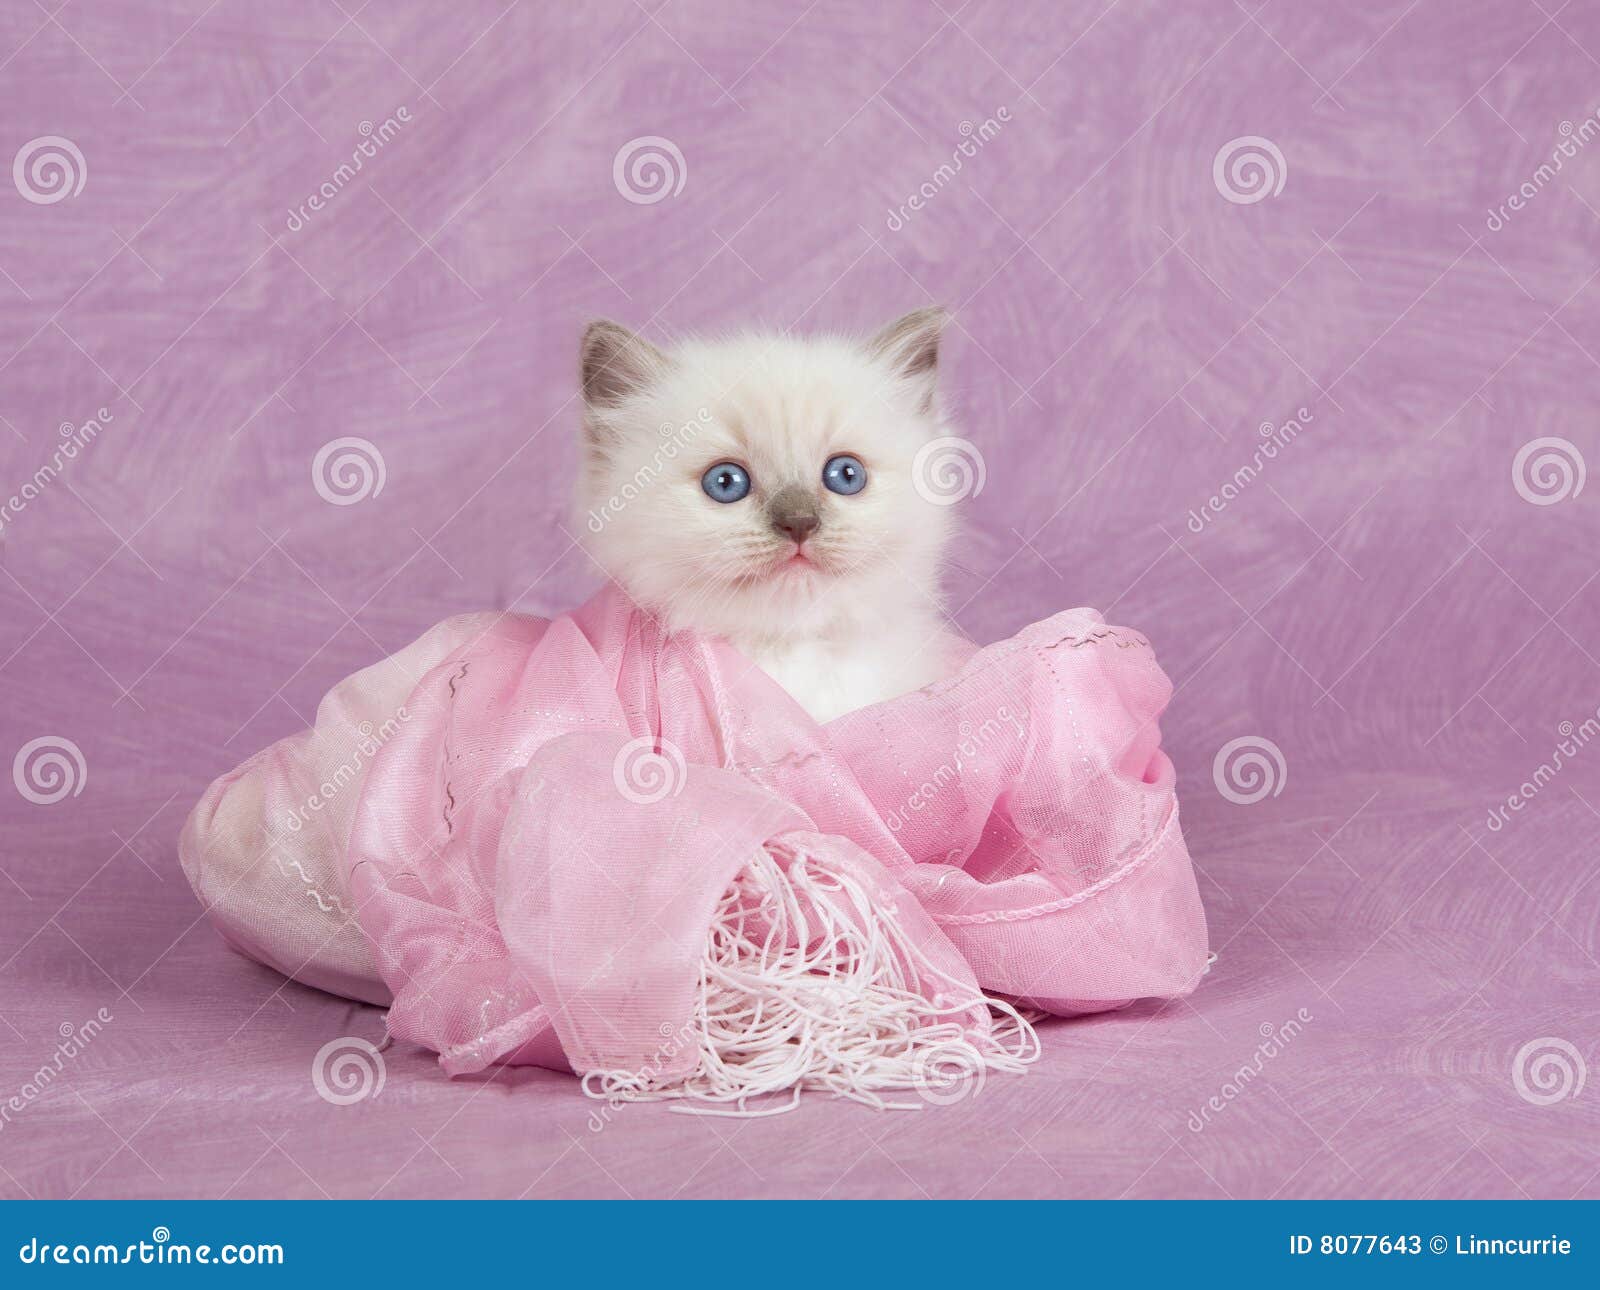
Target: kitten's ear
[910,346]
[615,363]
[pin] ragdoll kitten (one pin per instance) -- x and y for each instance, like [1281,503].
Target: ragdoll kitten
[761,489]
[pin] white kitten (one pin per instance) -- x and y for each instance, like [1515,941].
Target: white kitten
[761,489]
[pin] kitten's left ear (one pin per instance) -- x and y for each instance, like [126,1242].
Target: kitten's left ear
[910,346]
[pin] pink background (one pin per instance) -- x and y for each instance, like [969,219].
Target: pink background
[1382,602]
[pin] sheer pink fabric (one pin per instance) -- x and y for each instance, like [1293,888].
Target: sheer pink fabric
[519,829]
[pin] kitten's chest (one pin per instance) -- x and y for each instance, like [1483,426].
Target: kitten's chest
[830,678]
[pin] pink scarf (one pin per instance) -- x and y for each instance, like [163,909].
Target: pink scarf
[586,843]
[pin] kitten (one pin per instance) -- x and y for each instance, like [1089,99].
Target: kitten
[761,489]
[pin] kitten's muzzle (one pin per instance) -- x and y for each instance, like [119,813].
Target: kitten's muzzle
[793,513]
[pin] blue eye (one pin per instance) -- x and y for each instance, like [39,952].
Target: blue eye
[844,474]
[726,482]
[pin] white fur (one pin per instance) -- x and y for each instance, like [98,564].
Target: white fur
[863,621]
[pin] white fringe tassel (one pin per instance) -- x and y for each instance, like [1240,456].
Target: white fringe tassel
[809,984]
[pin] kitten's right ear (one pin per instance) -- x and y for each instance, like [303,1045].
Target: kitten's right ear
[614,363]
[910,346]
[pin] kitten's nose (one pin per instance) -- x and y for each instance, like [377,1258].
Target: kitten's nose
[798,527]
[793,512]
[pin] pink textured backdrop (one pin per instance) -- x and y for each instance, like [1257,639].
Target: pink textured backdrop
[1391,603]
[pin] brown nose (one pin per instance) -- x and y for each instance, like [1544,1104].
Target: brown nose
[797,527]
[793,513]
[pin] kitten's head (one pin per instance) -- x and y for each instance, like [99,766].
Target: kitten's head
[763,484]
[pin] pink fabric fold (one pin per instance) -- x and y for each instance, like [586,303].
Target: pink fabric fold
[534,853]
